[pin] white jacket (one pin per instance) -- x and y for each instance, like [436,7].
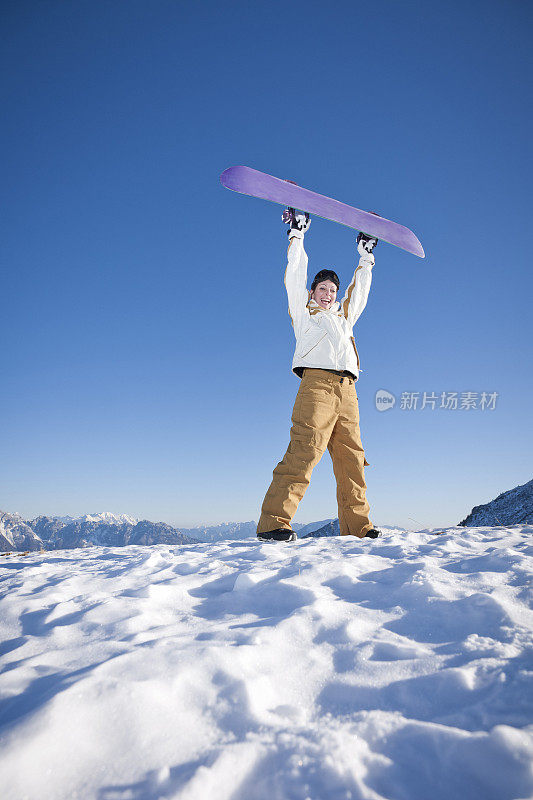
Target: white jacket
[324,337]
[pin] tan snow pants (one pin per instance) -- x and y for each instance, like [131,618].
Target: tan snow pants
[325,414]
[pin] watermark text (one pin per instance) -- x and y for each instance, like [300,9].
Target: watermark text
[448,401]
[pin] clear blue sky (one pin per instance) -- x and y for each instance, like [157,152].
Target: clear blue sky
[146,345]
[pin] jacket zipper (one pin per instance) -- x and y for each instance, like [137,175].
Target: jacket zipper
[303,355]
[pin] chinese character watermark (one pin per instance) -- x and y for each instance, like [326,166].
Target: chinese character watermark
[448,401]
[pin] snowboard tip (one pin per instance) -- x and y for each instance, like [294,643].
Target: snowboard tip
[232,177]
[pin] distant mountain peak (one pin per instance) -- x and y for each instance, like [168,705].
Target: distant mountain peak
[16,534]
[107,516]
[513,507]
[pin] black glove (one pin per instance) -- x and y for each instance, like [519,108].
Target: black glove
[368,242]
[298,221]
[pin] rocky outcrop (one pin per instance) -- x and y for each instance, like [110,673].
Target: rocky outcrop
[514,507]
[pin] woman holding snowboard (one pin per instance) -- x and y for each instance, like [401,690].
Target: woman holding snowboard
[325,413]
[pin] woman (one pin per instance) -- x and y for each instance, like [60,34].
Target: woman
[325,413]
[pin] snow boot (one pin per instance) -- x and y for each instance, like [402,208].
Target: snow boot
[279,535]
[373,533]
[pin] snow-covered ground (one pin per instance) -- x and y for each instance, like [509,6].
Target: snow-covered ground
[332,668]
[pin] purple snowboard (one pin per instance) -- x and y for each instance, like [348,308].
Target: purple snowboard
[258,184]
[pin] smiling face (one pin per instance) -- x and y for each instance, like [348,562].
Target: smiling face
[324,294]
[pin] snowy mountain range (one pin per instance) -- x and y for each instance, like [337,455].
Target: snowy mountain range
[514,507]
[59,533]
[243,530]
[226,530]
[114,530]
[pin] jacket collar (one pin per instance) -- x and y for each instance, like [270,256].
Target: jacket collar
[314,308]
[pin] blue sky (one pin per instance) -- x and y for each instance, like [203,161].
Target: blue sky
[146,345]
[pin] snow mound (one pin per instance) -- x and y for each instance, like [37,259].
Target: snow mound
[330,668]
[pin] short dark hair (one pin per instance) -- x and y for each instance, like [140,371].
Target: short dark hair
[325,275]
